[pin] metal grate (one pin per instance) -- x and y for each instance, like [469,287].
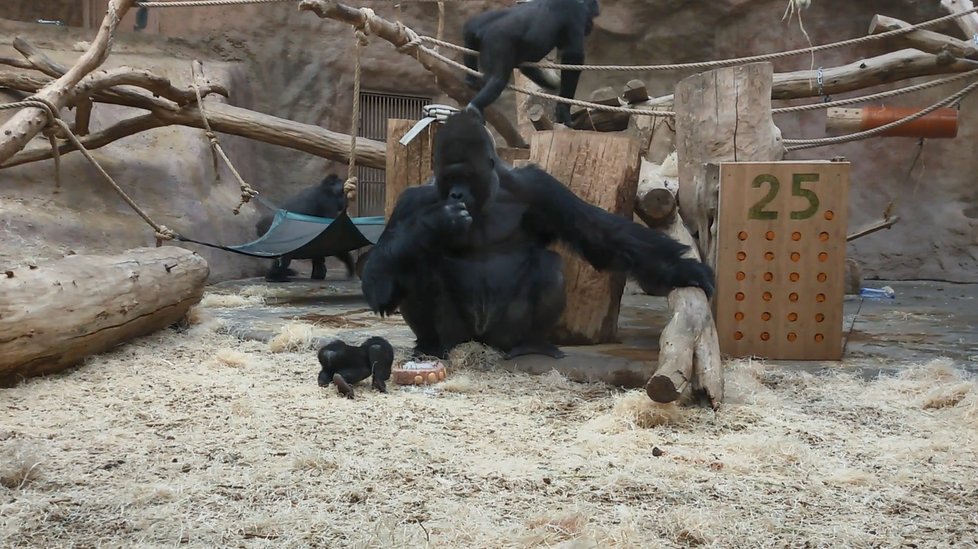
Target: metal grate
[375,109]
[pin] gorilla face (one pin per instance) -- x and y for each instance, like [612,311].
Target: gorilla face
[465,166]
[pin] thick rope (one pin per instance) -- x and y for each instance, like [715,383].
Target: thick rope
[875,96]
[726,62]
[351,183]
[162,232]
[812,143]
[247,192]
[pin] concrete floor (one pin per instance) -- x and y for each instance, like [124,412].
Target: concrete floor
[925,320]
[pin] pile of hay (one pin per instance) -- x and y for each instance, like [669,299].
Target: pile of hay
[199,439]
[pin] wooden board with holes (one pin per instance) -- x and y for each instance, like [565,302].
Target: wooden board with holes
[781,247]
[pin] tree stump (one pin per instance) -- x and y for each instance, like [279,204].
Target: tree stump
[54,315]
[407,165]
[722,115]
[601,168]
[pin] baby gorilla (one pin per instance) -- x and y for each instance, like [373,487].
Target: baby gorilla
[345,364]
[325,199]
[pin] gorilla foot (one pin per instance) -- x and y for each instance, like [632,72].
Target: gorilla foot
[318,275]
[545,349]
[277,276]
[342,386]
[422,350]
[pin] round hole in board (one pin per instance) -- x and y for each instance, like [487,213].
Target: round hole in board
[768,277]
[794,277]
[819,338]
[792,336]
[769,235]
[741,275]
[765,316]
[820,298]
[796,257]
[742,235]
[819,317]
[769,256]
[765,336]
[829,215]
[823,257]
[823,236]
[793,297]
[796,236]
[738,335]
[741,256]
[738,316]
[739,296]
[792,317]
[822,277]
[766,296]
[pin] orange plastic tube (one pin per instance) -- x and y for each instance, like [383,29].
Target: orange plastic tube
[942,123]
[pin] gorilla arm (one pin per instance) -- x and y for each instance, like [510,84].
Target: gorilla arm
[400,250]
[605,240]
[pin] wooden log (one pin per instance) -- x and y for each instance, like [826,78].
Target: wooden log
[23,126]
[721,115]
[922,39]
[407,165]
[537,116]
[635,92]
[511,155]
[873,227]
[448,79]
[54,315]
[854,277]
[689,348]
[656,202]
[940,124]
[874,71]
[602,169]
[967,23]
[597,119]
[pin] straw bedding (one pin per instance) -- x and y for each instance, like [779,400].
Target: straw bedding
[193,438]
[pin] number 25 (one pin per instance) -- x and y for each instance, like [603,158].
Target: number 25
[757,211]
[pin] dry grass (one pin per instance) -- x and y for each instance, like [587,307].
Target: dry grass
[199,440]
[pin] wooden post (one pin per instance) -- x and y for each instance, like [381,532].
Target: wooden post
[721,115]
[407,165]
[601,168]
[58,312]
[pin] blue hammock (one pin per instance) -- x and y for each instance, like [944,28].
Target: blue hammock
[306,237]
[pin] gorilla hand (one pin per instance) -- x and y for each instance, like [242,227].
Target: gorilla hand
[450,218]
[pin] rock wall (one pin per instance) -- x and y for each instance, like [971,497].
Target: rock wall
[294,65]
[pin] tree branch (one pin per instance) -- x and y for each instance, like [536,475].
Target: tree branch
[394,33]
[27,122]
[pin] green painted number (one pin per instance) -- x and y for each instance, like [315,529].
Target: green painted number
[757,210]
[807,194]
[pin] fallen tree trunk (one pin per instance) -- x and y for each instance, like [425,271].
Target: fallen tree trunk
[24,125]
[689,349]
[395,33]
[54,315]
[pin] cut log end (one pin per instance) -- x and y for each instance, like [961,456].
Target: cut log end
[662,389]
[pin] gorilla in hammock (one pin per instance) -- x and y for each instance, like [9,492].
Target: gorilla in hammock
[525,33]
[326,199]
[466,258]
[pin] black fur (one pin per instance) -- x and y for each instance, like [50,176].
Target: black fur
[466,258]
[344,364]
[524,33]
[325,199]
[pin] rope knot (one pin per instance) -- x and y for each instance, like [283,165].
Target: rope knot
[162,234]
[414,39]
[350,187]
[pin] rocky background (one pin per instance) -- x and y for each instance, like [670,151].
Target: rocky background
[278,60]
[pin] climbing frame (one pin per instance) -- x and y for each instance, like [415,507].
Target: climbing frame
[781,250]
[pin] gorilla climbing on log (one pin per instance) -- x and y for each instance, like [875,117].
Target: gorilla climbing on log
[466,258]
[326,199]
[344,364]
[525,33]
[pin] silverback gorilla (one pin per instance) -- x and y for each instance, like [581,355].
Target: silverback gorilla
[527,33]
[344,364]
[326,199]
[466,258]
